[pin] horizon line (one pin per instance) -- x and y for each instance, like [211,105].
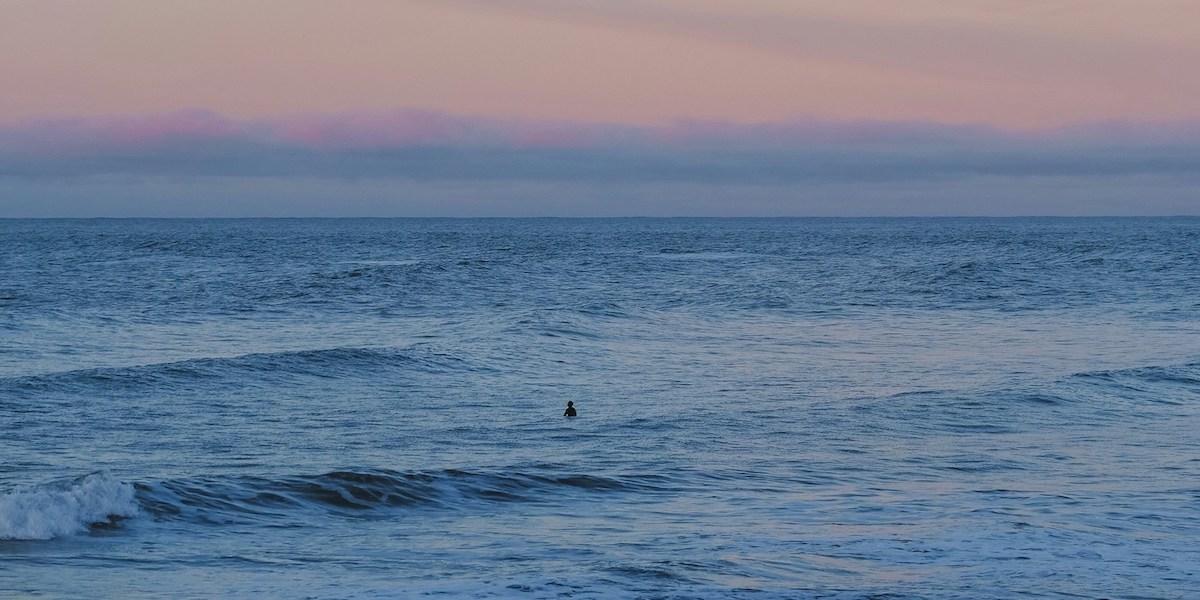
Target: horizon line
[603,218]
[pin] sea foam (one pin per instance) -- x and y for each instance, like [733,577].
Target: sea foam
[64,508]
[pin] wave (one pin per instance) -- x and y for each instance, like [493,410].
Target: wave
[1116,395]
[604,310]
[1175,384]
[98,500]
[1183,374]
[365,490]
[65,508]
[258,367]
[387,270]
[681,254]
[557,324]
[172,244]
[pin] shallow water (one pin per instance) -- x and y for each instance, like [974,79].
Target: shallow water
[913,408]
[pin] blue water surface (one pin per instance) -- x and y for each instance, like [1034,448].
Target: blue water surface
[779,408]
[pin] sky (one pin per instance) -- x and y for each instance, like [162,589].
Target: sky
[599,108]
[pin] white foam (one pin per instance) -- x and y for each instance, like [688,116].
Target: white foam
[50,511]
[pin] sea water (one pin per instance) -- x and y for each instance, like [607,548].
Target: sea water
[790,408]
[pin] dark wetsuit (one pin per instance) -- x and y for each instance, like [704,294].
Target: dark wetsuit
[570,412]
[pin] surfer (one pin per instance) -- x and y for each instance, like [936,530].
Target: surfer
[570,412]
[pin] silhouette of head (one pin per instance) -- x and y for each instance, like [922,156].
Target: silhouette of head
[569,403]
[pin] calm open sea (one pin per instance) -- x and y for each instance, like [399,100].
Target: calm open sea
[851,409]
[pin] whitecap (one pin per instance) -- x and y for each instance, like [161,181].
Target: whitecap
[59,509]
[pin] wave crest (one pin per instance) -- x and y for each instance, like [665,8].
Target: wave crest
[255,498]
[269,367]
[65,508]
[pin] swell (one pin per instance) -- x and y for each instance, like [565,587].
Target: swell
[1182,377]
[258,367]
[1133,388]
[98,500]
[1080,399]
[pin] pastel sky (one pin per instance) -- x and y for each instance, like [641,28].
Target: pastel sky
[588,107]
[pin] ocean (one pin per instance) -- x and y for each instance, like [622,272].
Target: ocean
[768,408]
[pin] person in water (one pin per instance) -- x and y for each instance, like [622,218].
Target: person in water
[570,412]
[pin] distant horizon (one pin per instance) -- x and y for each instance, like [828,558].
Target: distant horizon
[420,163]
[624,218]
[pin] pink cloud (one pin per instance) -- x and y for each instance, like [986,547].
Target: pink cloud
[377,129]
[416,128]
[152,129]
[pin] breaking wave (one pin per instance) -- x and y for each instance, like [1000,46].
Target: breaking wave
[98,500]
[64,508]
